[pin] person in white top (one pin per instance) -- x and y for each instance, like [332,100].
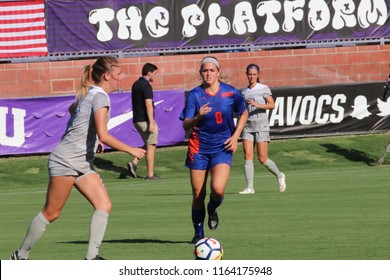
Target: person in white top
[386,150]
[71,162]
[386,89]
[258,99]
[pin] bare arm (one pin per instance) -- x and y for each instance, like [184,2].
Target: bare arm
[150,113]
[109,140]
[269,104]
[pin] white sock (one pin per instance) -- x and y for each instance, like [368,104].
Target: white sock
[387,149]
[271,166]
[249,171]
[35,231]
[97,229]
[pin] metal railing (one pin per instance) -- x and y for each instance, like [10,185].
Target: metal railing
[200,49]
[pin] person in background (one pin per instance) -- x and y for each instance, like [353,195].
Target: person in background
[209,111]
[386,150]
[143,119]
[71,162]
[258,98]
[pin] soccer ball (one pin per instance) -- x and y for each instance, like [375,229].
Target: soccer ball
[208,249]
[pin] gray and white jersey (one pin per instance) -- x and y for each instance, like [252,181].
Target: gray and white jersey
[258,119]
[79,142]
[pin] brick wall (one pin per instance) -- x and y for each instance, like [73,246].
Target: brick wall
[291,67]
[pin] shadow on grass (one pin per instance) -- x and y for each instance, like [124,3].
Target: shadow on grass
[350,154]
[108,165]
[131,241]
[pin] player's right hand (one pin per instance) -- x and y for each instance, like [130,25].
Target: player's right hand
[138,152]
[205,109]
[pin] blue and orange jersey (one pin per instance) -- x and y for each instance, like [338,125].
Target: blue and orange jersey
[214,128]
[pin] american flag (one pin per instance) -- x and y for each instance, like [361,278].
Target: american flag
[22,29]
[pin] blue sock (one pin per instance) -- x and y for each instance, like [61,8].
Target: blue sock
[213,205]
[198,220]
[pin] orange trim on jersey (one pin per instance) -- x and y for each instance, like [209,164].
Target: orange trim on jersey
[212,93]
[193,143]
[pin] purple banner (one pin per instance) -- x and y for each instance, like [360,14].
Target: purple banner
[29,126]
[125,25]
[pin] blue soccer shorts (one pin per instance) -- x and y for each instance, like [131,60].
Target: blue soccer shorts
[208,161]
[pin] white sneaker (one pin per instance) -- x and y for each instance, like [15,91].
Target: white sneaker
[247,191]
[282,183]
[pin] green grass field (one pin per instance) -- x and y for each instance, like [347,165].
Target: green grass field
[336,206]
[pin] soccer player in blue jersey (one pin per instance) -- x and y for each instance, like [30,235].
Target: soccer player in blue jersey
[209,111]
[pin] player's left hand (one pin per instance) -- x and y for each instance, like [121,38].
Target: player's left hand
[231,144]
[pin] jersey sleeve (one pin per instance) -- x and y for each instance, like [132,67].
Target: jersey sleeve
[100,100]
[267,92]
[190,108]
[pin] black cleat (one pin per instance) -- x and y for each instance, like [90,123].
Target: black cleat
[96,258]
[195,239]
[213,221]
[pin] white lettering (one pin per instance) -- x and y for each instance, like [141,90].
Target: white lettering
[193,16]
[319,14]
[344,14]
[129,24]
[219,25]
[277,115]
[293,11]
[157,21]
[339,98]
[100,17]
[322,118]
[268,9]
[286,14]
[18,116]
[307,110]
[244,21]
[292,109]
[370,12]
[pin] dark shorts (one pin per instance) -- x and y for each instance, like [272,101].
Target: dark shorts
[208,161]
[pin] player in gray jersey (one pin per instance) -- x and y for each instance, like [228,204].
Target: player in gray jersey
[71,162]
[386,150]
[258,98]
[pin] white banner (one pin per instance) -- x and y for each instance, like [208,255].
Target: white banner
[197,270]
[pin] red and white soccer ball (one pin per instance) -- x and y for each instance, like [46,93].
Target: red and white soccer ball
[208,249]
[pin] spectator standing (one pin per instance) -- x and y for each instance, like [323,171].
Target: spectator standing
[143,119]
